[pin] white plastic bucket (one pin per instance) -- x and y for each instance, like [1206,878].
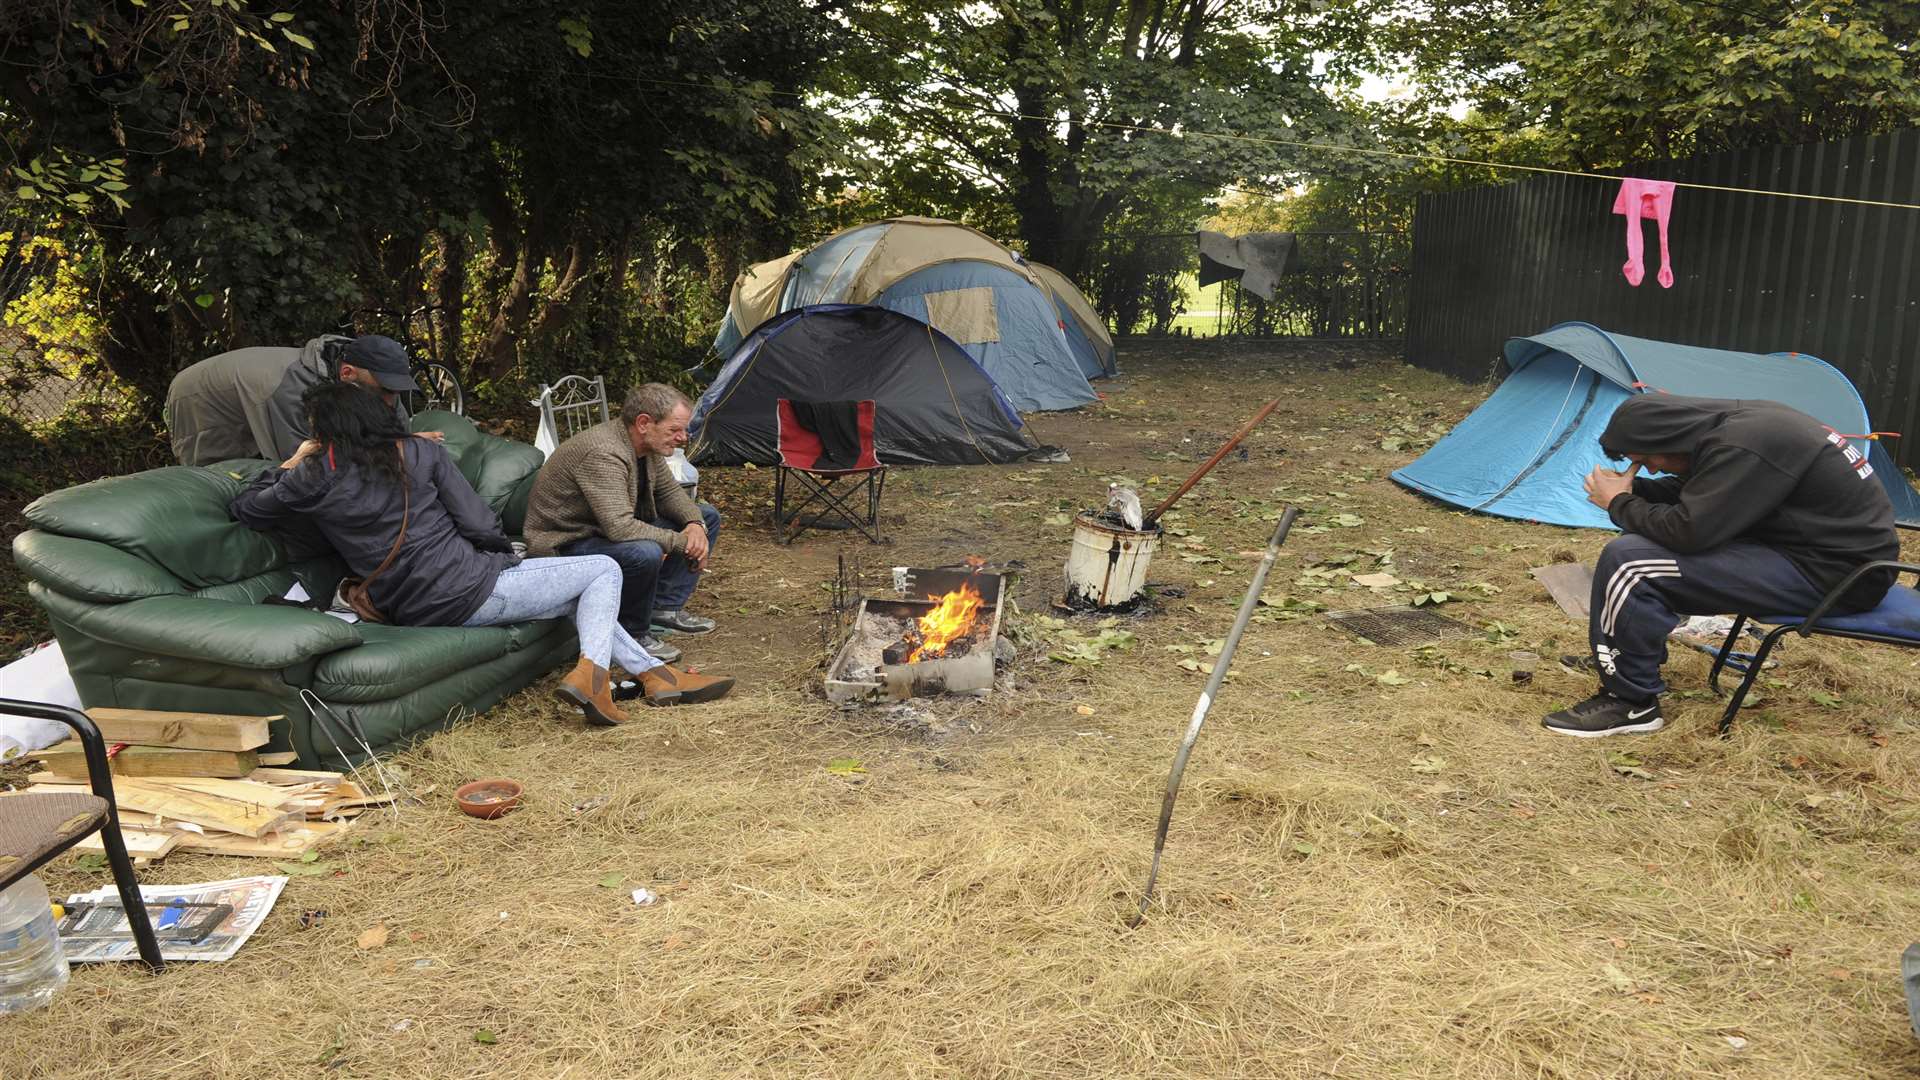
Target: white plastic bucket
[1108,565]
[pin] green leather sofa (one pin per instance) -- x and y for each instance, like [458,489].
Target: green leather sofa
[155,596]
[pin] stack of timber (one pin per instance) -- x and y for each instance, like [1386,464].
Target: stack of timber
[198,782]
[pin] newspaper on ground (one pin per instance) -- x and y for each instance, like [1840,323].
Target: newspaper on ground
[205,921]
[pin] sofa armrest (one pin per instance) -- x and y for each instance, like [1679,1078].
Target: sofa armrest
[261,636]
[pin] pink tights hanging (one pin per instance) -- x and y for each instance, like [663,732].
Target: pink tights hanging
[1645,199]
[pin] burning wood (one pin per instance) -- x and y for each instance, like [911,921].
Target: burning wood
[945,632]
[951,620]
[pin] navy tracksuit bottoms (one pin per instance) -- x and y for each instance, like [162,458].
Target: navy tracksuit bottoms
[1641,591]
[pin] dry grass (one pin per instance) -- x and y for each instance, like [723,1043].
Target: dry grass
[1328,910]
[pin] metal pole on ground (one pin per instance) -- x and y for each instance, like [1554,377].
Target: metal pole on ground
[1205,703]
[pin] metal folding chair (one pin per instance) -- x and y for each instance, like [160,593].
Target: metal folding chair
[36,826]
[1896,621]
[828,485]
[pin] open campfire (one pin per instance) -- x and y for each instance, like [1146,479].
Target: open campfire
[937,639]
[945,631]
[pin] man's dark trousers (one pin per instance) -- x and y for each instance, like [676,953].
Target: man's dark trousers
[1641,591]
[652,579]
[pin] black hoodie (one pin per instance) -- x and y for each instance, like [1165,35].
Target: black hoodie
[1762,472]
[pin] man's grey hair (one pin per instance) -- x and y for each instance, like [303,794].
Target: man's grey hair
[656,400]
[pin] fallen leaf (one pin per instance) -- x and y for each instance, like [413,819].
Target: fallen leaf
[1737,1042]
[1618,978]
[1523,811]
[1391,677]
[483,1035]
[1839,973]
[1083,710]
[612,880]
[1618,943]
[1376,581]
[373,937]
[304,868]
[1627,765]
[845,766]
[1430,763]
[1303,849]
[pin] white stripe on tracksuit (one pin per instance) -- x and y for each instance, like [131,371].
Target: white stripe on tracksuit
[1625,577]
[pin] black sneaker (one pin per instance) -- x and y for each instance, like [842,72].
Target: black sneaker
[1604,714]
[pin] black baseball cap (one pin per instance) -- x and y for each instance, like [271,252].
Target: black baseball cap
[384,357]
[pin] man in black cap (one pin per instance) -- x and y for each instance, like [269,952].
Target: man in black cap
[246,403]
[1761,509]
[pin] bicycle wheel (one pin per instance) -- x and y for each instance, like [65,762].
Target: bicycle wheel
[439,389]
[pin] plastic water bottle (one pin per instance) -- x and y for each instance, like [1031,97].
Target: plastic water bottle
[32,966]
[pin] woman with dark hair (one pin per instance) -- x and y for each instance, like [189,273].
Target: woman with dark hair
[431,551]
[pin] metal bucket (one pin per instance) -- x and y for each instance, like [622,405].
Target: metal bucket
[1108,565]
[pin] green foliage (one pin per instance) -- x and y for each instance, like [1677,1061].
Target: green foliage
[1607,83]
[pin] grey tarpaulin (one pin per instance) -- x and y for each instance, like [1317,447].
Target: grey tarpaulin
[1256,260]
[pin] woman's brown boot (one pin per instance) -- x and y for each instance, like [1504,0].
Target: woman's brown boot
[670,686]
[589,686]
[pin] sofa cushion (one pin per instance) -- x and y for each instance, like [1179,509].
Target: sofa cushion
[174,518]
[89,569]
[501,470]
[263,636]
[396,660]
[250,590]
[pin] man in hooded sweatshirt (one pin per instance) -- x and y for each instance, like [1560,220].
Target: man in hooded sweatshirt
[1761,509]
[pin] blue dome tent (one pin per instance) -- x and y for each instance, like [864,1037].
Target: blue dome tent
[1526,450]
[959,281]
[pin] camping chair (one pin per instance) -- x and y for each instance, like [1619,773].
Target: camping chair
[1895,622]
[36,826]
[573,405]
[831,475]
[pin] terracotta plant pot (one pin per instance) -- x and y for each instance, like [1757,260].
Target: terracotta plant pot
[488,798]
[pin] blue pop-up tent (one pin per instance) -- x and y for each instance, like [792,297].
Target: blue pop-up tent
[1525,452]
[953,278]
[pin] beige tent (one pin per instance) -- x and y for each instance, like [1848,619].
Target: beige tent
[1075,309]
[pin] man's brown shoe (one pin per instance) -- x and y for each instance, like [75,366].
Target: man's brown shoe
[684,687]
[589,686]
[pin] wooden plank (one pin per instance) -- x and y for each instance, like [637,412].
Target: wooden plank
[293,840]
[1571,585]
[185,730]
[155,761]
[279,757]
[290,777]
[142,844]
[210,811]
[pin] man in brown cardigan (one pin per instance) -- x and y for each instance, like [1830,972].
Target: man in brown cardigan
[609,491]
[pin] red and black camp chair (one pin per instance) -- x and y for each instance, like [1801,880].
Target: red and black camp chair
[827,447]
[1896,621]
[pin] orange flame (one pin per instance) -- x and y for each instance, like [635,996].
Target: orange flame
[949,621]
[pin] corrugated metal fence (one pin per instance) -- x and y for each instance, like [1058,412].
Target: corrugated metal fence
[1752,272]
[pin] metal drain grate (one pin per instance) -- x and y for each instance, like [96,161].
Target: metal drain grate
[1399,625]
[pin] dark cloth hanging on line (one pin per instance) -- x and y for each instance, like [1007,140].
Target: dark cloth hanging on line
[1255,260]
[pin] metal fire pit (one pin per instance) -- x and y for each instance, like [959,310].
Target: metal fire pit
[859,672]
